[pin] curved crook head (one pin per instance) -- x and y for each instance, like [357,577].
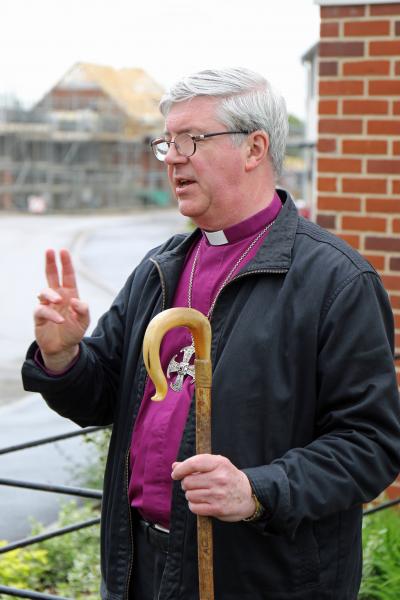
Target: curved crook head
[168,319]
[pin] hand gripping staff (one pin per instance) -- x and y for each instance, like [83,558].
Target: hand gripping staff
[200,329]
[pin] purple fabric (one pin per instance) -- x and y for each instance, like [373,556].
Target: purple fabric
[38,358]
[159,426]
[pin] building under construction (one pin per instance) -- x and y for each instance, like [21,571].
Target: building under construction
[85,144]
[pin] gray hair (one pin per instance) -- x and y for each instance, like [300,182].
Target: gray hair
[248,103]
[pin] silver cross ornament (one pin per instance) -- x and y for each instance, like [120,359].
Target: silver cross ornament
[183,368]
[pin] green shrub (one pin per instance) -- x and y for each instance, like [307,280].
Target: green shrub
[23,568]
[74,557]
[91,472]
[381,565]
[67,565]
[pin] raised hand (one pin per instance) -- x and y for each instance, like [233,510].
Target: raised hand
[61,319]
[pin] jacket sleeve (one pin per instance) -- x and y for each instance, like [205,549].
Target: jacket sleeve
[86,393]
[356,451]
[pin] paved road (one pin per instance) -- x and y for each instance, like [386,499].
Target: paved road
[105,250]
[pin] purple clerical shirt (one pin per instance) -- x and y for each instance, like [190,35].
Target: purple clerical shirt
[159,425]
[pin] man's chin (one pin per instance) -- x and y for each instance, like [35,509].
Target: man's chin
[188,207]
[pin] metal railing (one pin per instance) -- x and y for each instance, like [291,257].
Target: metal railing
[82,493]
[71,491]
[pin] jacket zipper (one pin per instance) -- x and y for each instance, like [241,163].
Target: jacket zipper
[162,280]
[163,292]
[248,274]
[164,297]
[130,523]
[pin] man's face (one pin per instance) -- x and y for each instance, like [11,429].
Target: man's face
[206,185]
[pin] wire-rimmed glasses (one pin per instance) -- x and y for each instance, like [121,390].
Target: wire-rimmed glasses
[185,143]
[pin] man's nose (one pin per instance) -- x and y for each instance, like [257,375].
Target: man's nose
[173,157]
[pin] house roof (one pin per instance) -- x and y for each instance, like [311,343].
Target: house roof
[132,90]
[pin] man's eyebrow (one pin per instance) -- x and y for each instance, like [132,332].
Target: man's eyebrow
[186,130]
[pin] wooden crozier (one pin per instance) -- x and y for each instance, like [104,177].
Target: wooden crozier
[200,329]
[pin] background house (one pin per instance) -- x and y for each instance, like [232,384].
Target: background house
[85,143]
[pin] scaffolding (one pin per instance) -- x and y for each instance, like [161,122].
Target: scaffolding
[75,159]
[85,145]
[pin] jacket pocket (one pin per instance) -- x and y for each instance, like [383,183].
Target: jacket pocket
[308,569]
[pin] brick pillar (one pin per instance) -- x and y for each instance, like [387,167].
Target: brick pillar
[358,160]
[358,152]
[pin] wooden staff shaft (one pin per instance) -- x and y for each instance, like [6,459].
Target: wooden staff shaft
[203,446]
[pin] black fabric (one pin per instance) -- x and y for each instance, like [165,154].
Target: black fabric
[150,555]
[304,400]
[156,537]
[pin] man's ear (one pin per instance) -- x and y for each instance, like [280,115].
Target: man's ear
[256,149]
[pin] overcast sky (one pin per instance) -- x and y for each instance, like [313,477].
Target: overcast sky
[41,39]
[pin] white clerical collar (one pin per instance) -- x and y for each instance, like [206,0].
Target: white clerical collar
[216,238]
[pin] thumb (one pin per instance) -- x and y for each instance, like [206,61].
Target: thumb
[174,466]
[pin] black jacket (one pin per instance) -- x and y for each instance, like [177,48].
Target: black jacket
[304,398]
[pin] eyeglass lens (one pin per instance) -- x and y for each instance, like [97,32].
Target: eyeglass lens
[183,144]
[160,150]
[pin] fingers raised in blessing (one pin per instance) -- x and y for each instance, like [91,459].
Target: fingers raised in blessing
[68,272]
[51,270]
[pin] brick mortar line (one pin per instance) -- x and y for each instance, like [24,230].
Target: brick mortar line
[360,214]
[358,97]
[363,118]
[354,137]
[381,37]
[358,175]
[356,78]
[361,156]
[370,77]
[342,59]
[358,195]
[359,136]
[357,18]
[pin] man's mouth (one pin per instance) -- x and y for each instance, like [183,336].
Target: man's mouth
[182,183]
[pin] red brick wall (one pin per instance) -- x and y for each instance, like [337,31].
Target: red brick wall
[358,154]
[358,160]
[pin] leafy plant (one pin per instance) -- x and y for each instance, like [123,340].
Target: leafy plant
[91,473]
[74,557]
[23,568]
[381,548]
[66,565]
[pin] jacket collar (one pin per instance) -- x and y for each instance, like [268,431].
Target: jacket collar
[275,253]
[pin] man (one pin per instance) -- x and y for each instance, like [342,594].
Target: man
[305,421]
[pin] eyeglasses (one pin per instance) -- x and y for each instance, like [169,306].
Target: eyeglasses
[185,144]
